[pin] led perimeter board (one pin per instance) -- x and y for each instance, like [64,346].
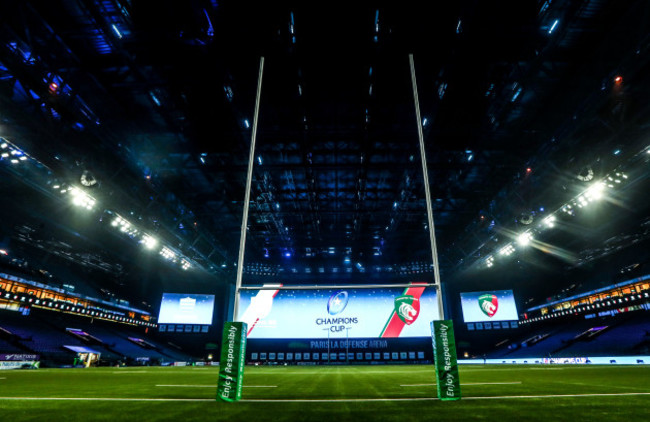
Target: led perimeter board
[183,308]
[496,305]
[356,313]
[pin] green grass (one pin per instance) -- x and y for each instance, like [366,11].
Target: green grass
[570,386]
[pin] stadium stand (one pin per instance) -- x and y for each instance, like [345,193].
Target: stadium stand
[46,334]
[622,335]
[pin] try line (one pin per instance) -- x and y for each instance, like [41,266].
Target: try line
[127,399]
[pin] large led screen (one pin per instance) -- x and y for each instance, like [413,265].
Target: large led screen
[355,313]
[497,305]
[181,308]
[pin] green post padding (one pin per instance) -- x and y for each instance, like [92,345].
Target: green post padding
[231,365]
[444,354]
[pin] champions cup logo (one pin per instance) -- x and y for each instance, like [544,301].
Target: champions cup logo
[337,302]
[407,308]
[489,304]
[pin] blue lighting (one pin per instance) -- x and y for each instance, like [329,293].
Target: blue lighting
[346,260]
[117,31]
[617,152]
[229,93]
[246,124]
[470,157]
[202,160]
[516,95]
[266,253]
[550,31]
[210,31]
[155,99]
[287,254]
[259,160]
[425,121]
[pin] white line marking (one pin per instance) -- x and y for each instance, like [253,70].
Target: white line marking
[3,378]
[323,400]
[546,396]
[99,399]
[519,368]
[130,372]
[467,383]
[186,385]
[326,372]
[435,398]
[492,383]
[212,386]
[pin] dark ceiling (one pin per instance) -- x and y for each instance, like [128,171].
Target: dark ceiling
[154,101]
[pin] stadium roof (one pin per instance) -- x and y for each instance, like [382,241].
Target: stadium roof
[128,125]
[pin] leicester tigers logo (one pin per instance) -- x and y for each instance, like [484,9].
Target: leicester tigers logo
[489,304]
[407,308]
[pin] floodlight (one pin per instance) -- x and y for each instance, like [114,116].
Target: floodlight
[549,221]
[524,238]
[595,191]
[82,199]
[149,242]
[507,250]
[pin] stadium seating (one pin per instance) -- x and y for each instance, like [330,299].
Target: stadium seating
[625,335]
[45,334]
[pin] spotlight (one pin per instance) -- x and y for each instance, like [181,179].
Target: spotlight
[507,250]
[149,242]
[618,80]
[168,254]
[595,191]
[549,221]
[82,199]
[524,238]
[185,265]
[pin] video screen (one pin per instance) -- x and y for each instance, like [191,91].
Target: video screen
[183,308]
[339,313]
[497,305]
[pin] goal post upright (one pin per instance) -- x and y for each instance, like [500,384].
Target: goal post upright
[442,331]
[247,195]
[427,192]
[233,338]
